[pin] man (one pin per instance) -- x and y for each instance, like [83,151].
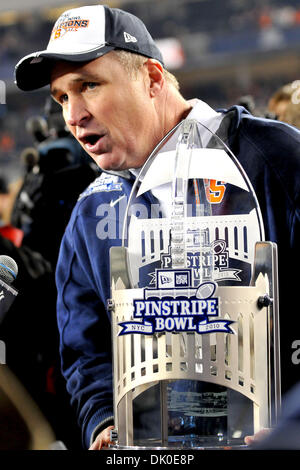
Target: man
[119,102]
[284,103]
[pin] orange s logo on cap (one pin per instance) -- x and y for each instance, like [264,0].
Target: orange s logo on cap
[56,33]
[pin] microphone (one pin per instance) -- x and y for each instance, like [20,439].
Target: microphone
[8,273]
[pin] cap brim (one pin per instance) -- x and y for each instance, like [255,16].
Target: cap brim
[34,71]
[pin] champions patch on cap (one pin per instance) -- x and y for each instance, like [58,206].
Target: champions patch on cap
[70,25]
[84,34]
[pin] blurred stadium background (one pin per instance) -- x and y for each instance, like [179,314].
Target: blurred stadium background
[219,50]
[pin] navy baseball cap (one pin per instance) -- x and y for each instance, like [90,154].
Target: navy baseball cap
[83,34]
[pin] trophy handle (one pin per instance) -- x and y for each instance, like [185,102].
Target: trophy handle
[266,263]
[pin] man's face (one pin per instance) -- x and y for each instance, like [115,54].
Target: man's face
[112,116]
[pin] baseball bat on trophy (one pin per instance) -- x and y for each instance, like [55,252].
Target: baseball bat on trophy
[194,302]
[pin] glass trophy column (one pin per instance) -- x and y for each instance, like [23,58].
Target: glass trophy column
[194,302]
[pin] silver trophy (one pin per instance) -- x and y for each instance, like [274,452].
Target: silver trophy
[194,302]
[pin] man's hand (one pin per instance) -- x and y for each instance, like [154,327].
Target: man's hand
[264,432]
[102,440]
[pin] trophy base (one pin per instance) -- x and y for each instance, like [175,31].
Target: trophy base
[183,443]
[170,448]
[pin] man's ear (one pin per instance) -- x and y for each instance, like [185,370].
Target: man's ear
[156,76]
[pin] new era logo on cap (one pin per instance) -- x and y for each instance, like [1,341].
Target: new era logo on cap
[129,38]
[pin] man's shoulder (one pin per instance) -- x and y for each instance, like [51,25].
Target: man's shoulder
[104,190]
[268,149]
[263,129]
[103,184]
[273,142]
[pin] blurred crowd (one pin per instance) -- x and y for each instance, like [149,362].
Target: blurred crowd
[188,16]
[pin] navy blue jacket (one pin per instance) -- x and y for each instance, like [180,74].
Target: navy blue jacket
[269,152]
